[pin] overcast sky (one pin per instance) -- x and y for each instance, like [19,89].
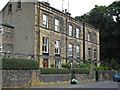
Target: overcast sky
[76,7]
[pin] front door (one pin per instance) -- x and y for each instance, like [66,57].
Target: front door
[45,63]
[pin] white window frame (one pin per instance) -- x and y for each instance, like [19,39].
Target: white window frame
[57,47]
[57,25]
[45,21]
[89,36]
[70,50]
[1,29]
[45,45]
[77,33]
[1,48]
[57,64]
[70,30]
[78,51]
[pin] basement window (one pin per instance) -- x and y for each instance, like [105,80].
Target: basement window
[9,8]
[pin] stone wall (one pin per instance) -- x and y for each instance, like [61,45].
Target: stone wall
[105,75]
[30,78]
[85,77]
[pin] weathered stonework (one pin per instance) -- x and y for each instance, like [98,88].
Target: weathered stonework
[32,78]
[29,33]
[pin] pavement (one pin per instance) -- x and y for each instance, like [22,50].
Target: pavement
[101,84]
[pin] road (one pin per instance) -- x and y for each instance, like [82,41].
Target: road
[101,84]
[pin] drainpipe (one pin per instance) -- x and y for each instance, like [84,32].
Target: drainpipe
[66,38]
[84,42]
[39,35]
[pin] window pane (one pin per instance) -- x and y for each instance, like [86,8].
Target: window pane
[89,35]
[57,25]
[45,45]
[70,30]
[57,47]
[77,32]
[45,21]
[70,49]
[78,51]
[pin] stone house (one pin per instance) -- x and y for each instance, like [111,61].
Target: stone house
[49,35]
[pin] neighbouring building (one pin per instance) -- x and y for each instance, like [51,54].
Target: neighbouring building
[49,35]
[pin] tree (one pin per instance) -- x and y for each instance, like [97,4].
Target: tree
[107,20]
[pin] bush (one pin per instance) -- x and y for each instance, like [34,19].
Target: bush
[66,65]
[53,65]
[100,68]
[95,68]
[19,64]
[83,65]
[80,71]
[54,71]
[87,63]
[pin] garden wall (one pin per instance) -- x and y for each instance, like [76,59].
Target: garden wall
[105,75]
[31,78]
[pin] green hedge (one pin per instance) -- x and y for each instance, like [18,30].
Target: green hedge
[19,64]
[54,71]
[80,71]
[100,68]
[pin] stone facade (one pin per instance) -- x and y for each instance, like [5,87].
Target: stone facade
[38,26]
[6,37]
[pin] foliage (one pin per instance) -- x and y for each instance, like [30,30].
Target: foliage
[95,68]
[101,17]
[87,63]
[100,68]
[19,64]
[53,65]
[66,65]
[105,68]
[54,71]
[83,65]
[80,71]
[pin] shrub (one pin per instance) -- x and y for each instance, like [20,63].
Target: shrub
[66,65]
[19,64]
[54,71]
[105,68]
[83,65]
[87,63]
[53,65]
[80,71]
[95,68]
[100,68]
